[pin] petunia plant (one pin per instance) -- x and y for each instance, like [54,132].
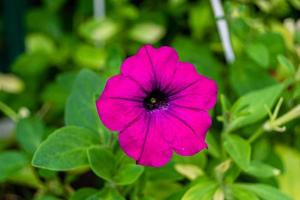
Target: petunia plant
[159,105]
[143,104]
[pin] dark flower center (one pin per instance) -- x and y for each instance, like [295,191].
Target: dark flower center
[155,100]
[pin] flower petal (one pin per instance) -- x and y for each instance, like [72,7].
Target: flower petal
[142,142]
[193,89]
[202,95]
[185,74]
[151,67]
[185,130]
[120,102]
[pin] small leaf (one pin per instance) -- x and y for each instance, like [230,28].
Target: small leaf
[253,105]
[259,53]
[107,194]
[199,159]
[213,147]
[245,76]
[265,192]
[165,173]
[65,149]
[39,43]
[83,193]
[188,170]
[261,170]
[203,190]
[47,197]
[238,149]
[26,176]
[289,180]
[88,56]
[11,84]
[30,133]
[147,32]
[102,162]
[242,194]
[275,43]
[128,174]
[98,30]
[161,190]
[11,161]
[284,62]
[81,105]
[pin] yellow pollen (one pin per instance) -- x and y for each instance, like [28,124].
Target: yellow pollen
[153,100]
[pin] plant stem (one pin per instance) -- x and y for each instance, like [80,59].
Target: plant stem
[8,111]
[257,134]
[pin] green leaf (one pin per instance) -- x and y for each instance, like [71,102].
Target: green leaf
[238,149]
[11,161]
[147,32]
[57,92]
[289,180]
[198,159]
[250,108]
[189,171]
[107,194]
[54,5]
[265,192]
[87,56]
[128,174]
[98,30]
[242,194]
[284,62]
[165,173]
[203,190]
[160,190]
[259,53]
[31,64]
[65,149]
[102,162]
[30,133]
[39,43]
[213,146]
[197,19]
[275,43]
[47,197]
[261,170]
[26,176]
[83,194]
[246,76]
[81,105]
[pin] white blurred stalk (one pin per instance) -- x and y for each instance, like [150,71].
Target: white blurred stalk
[223,30]
[99,9]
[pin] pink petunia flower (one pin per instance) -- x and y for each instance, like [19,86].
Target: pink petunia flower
[158,105]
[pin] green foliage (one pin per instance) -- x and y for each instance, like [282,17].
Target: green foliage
[242,194]
[239,150]
[104,164]
[83,193]
[11,161]
[253,106]
[204,190]
[259,53]
[51,90]
[30,133]
[80,107]
[65,149]
[264,191]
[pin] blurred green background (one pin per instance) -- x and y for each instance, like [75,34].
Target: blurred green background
[45,43]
